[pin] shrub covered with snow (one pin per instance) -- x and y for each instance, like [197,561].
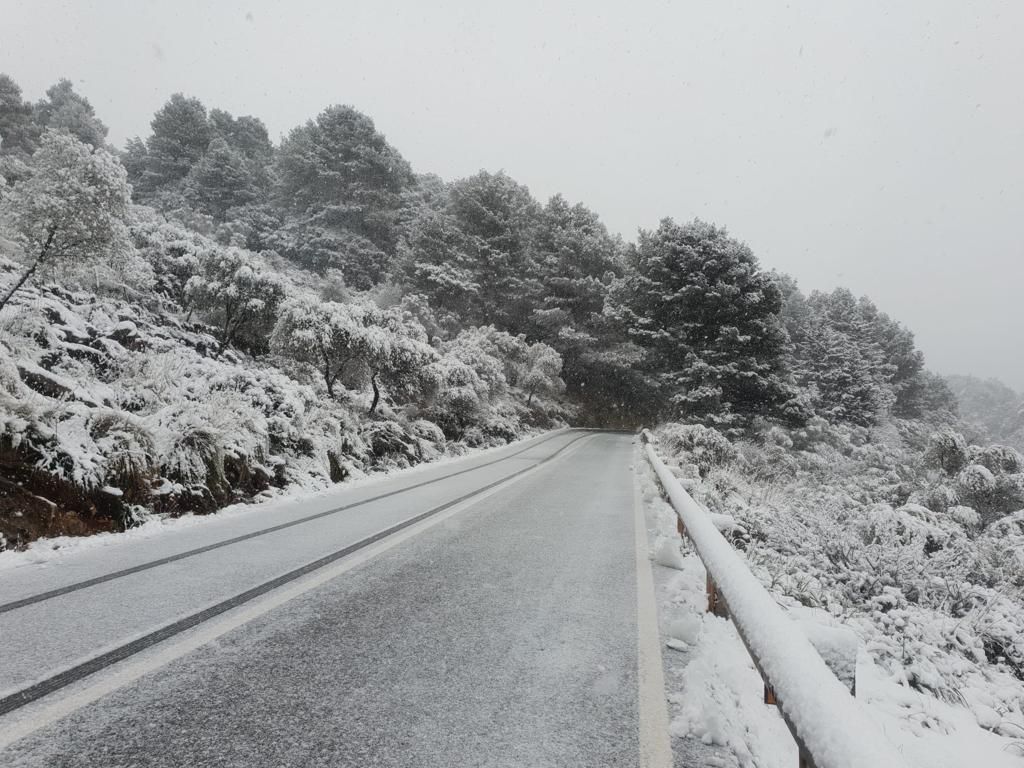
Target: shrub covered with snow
[873,528]
[703,446]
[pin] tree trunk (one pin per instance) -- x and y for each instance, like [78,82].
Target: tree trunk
[376,393]
[31,270]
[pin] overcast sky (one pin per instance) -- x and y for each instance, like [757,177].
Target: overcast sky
[875,145]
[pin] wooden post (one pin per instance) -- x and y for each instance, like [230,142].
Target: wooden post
[715,603]
[769,695]
[680,527]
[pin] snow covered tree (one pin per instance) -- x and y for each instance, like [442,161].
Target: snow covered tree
[223,179]
[315,243]
[543,369]
[697,301]
[438,260]
[339,163]
[236,296]
[181,135]
[19,134]
[356,342]
[461,395]
[325,335]
[497,215]
[578,261]
[65,110]
[246,135]
[495,356]
[856,363]
[394,354]
[73,208]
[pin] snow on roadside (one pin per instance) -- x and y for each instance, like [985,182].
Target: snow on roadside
[44,551]
[717,700]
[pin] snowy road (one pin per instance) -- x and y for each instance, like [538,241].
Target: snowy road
[495,625]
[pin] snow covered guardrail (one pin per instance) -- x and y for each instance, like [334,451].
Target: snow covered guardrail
[829,726]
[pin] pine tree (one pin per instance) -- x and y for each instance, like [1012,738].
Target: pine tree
[497,216]
[181,135]
[19,134]
[709,317]
[223,179]
[65,110]
[340,168]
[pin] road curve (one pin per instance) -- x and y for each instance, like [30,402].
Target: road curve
[491,622]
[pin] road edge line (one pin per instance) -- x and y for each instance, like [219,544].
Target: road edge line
[652,707]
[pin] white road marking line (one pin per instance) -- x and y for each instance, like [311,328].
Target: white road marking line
[655,745]
[31,718]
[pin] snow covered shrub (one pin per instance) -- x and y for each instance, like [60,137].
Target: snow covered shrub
[947,450]
[173,252]
[703,446]
[504,427]
[976,486]
[427,430]
[237,296]
[389,440]
[212,451]
[939,497]
[475,437]
[431,438]
[127,448]
[460,398]
[1008,495]
[998,459]
[965,516]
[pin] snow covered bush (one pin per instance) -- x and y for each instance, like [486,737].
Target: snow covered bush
[706,447]
[947,450]
[237,296]
[999,459]
[884,540]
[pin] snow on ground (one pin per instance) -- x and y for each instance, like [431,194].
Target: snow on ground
[716,694]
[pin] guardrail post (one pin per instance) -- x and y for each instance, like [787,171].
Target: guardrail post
[716,604]
[680,526]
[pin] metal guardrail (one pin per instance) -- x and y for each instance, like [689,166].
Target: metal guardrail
[829,727]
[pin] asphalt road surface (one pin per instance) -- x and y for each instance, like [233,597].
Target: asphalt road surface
[484,612]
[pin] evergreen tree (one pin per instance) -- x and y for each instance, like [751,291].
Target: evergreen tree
[577,262]
[65,110]
[19,134]
[223,179]
[497,216]
[440,261]
[181,135]
[709,317]
[341,169]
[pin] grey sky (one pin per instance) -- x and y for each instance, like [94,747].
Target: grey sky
[875,145]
